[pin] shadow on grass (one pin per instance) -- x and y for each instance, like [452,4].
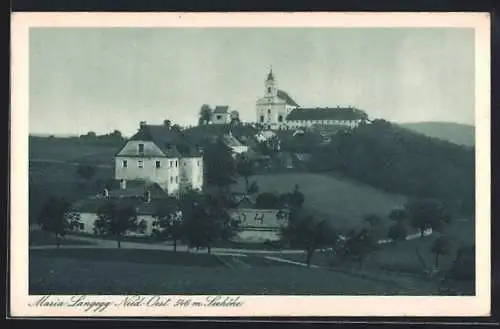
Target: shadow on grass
[160,257]
[38,238]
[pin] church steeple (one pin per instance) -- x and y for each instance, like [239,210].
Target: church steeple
[270,76]
[270,84]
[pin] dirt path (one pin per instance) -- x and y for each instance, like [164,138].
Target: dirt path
[103,243]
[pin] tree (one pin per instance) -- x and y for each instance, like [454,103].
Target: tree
[245,168]
[168,222]
[219,165]
[206,221]
[426,214]
[235,117]
[205,114]
[359,245]
[58,218]
[254,188]
[309,234]
[296,198]
[116,219]
[440,246]
[397,232]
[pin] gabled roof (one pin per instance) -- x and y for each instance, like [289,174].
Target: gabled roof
[326,113]
[170,141]
[93,204]
[221,109]
[284,96]
[136,188]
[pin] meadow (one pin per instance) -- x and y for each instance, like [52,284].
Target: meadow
[339,200]
[108,271]
[72,150]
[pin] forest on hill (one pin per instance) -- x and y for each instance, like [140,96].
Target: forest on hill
[453,132]
[401,161]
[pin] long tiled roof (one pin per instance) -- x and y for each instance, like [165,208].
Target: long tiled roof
[221,109]
[284,96]
[92,205]
[170,141]
[339,113]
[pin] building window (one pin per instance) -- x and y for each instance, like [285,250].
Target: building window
[158,164]
[269,90]
[280,118]
[170,163]
[124,163]
[198,162]
[176,163]
[141,148]
[261,118]
[81,226]
[268,111]
[140,164]
[218,117]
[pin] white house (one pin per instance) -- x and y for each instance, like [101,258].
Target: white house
[143,197]
[257,225]
[221,115]
[277,110]
[264,135]
[162,155]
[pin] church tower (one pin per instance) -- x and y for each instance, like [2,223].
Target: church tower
[271,90]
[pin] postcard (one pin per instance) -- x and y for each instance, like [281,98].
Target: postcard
[250,164]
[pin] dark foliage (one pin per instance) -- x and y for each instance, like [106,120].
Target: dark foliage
[116,220]
[57,218]
[397,160]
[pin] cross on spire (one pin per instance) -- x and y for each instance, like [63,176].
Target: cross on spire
[270,76]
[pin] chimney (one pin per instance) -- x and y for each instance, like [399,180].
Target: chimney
[105,193]
[123,184]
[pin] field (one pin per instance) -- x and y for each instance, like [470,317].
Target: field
[340,200]
[401,259]
[122,271]
[72,150]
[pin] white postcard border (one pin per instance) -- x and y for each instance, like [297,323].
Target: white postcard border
[478,305]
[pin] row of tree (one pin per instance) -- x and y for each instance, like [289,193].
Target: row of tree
[305,232]
[197,219]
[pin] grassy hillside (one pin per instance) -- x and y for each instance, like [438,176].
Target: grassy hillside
[128,271]
[401,161]
[72,150]
[453,132]
[340,200]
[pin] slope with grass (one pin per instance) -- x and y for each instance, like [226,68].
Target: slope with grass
[85,271]
[342,201]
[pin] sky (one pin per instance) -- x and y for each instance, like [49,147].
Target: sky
[102,79]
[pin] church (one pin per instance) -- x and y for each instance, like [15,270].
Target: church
[277,110]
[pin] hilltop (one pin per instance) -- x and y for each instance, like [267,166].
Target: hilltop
[453,132]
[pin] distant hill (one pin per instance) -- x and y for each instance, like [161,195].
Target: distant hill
[453,132]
